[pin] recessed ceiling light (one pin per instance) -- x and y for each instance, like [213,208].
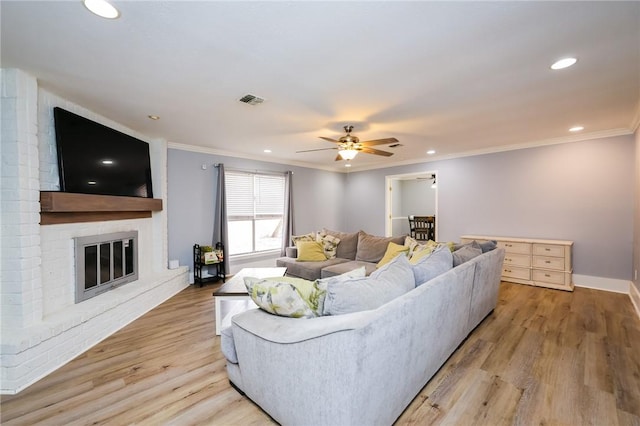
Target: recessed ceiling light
[563,63]
[267,151]
[102,8]
[576,128]
[107,162]
[431,152]
[153,117]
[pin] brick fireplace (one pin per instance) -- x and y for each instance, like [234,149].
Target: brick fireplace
[42,325]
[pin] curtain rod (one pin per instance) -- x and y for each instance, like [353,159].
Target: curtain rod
[236,169]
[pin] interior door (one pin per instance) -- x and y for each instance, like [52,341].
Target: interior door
[410,194]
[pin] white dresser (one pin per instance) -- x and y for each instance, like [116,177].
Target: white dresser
[544,263]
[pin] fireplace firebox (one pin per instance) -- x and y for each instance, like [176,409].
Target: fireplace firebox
[104,262]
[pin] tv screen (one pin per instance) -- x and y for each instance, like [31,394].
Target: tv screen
[95,159]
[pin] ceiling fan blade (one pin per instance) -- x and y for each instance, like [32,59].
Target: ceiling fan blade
[339,158]
[384,141]
[329,139]
[319,149]
[375,151]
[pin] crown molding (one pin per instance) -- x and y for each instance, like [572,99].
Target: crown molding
[213,151]
[492,150]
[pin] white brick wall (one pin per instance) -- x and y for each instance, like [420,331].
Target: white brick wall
[20,290]
[42,327]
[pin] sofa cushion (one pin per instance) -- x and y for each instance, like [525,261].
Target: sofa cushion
[307,270]
[432,264]
[372,248]
[393,250]
[465,254]
[348,243]
[342,268]
[286,296]
[310,251]
[358,294]
[323,283]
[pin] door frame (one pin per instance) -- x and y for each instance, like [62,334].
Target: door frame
[388,181]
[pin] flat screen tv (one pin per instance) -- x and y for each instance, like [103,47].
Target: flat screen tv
[95,159]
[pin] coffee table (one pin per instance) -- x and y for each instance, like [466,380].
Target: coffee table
[232,297]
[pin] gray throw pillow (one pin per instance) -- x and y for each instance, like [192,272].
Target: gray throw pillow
[488,245]
[473,244]
[372,248]
[465,254]
[360,294]
[436,263]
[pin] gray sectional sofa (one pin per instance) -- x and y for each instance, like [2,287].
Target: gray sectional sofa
[360,368]
[355,249]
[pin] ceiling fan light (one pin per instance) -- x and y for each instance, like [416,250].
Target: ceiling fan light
[102,8]
[348,154]
[563,63]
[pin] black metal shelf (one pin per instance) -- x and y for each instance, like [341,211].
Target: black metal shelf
[199,263]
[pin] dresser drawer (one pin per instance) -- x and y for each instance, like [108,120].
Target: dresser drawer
[548,250]
[515,272]
[513,247]
[512,259]
[546,262]
[552,277]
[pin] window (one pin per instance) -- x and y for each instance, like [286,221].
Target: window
[255,210]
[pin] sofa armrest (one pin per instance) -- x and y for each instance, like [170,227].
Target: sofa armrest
[278,329]
[291,252]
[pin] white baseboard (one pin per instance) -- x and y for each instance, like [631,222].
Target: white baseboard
[634,294]
[600,283]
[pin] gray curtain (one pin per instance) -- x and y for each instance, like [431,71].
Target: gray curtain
[287,218]
[220,233]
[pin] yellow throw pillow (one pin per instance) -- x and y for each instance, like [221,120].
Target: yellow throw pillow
[393,250]
[310,251]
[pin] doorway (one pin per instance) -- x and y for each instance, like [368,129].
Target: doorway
[410,194]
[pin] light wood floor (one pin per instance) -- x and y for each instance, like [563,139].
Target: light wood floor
[544,357]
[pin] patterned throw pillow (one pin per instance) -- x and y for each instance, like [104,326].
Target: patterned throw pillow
[329,244]
[306,237]
[286,296]
[415,246]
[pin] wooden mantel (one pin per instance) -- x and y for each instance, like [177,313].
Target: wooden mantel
[66,207]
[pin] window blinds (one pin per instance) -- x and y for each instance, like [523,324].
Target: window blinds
[254,195]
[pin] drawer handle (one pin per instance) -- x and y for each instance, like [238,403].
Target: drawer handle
[547,249]
[507,259]
[547,261]
[547,275]
[508,245]
[507,270]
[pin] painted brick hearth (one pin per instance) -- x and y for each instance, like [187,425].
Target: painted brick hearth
[42,326]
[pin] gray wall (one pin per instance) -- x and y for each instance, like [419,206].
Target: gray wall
[191,195]
[580,191]
[417,197]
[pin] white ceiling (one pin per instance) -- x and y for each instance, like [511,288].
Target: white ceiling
[457,77]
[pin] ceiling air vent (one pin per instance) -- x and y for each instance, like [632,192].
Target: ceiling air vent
[251,100]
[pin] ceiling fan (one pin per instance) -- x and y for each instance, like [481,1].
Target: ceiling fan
[349,146]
